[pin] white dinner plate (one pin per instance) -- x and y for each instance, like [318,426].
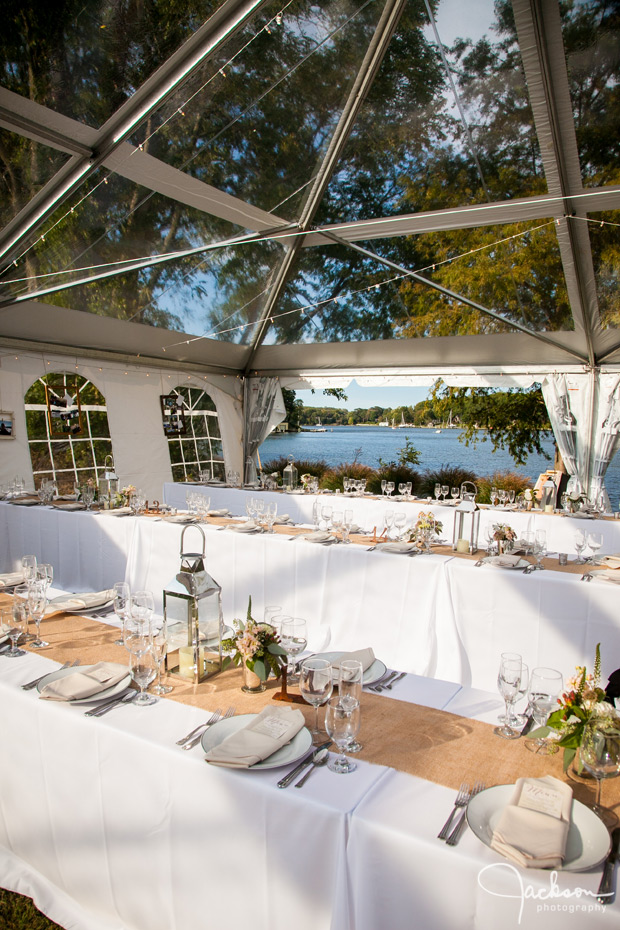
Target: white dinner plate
[57,603]
[118,688]
[292,752]
[518,565]
[373,673]
[588,841]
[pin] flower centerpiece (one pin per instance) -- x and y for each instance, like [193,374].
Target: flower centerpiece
[423,530]
[583,700]
[504,536]
[256,647]
[126,493]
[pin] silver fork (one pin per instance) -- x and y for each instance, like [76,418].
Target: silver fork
[461,800]
[189,745]
[454,836]
[381,685]
[215,716]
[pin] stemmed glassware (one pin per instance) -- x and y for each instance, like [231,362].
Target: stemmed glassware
[540,548]
[326,514]
[600,753]
[122,607]
[579,540]
[316,685]
[29,568]
[388,521]
[454,493]
[543,691]
[14,622]
[347,523]
[383,486]
[400,520]
[143,667]
[159,647]
[511,496]
[87,492]
[511,682]
[45,574]
[20,599]
[402,488]
[437,491]
[493,497]
[595,541]
[342,723]
[37,602]
[350,681]
[502,497]
[337,519]
[445,490]
[293,639]
[389,488]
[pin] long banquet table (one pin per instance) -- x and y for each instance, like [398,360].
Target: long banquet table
[433,615]
[110,826]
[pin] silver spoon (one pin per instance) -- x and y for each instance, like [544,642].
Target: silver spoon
[321,758]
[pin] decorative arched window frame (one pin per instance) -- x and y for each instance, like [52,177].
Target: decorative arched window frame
[72,458]
[199,448]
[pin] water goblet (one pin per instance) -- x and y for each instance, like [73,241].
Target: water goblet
[337,518]
[445,490]
[437,491]
[316,685]
[159,648]
[409,486]
[293,639]
[37,602]
[579,540]
[600,754]
[29,568]
[454,493]
[143,667]
[388,520]
[350,682]
[502,497]
[383,485]
[402,488]
[399,523]
[249,509]
[271,512]
[87,493]
[272,613]
[326,514]
[122,606]
[389,488]
[509,680]
[342,724]
[540,548]
[13,622]
[45,574]
[543,691]
[493,497]
[595,541]
[347,523]
[511,496]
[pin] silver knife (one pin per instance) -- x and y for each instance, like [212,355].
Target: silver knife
[529,723]
[307,760]
[606,891]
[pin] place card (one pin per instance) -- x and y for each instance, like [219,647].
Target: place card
[542,798]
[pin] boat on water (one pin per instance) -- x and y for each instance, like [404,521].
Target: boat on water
[319,428]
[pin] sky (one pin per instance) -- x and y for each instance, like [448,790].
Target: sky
[366,397]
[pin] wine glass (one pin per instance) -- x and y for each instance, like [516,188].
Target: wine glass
[20,597]
[454,493]
[342,724]
[293,639]
[272,613]
[29,568]
[388,520]
[509,681]
[409,489]
[402,488]
[249,509]
[445,490]
[137,626]
[159,648]
[45,574]
[511,496]
[337,518]
[437,491]
[493,497]
[316,685]
[271,512]
[579,540]
[37,602]
[389,488]
[543,691]
[143,667]
[326,514]
[13,622]
[595,541]
[399,523]
[350,682]
[383,485]
[502,497]
[600,753]
[540,548]
[347,523]
[87,492]
[122,606]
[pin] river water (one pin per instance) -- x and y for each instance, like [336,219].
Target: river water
[370,443]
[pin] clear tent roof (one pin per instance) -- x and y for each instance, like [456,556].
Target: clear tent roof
[323,185]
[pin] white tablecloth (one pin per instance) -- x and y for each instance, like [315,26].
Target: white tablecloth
[110,826]
[430,615]
[369,512]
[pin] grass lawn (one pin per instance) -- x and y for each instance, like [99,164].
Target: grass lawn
[19,913]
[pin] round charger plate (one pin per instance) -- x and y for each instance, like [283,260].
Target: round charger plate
[292,752]
[118,688]
[519,566]
[373,673]
[588,841]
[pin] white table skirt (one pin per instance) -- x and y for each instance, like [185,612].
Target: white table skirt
[110,826]
[369,512]
[430,615]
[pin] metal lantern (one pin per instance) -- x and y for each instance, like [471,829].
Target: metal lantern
[468,491]
[547,496]
[466,527]
[193,613]
[290,475]
[108,482]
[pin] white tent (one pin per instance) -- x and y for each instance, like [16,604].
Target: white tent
[392,191]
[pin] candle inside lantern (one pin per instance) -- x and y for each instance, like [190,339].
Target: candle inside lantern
[462,545]
[187,667]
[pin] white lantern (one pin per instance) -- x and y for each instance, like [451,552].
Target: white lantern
[108,482]
[466,527]
[290,475]
[193,613]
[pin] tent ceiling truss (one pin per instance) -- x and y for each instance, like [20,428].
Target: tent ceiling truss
[540,38]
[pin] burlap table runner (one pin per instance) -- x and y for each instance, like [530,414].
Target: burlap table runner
[432,744]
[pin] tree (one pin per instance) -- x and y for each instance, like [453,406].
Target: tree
[293,408]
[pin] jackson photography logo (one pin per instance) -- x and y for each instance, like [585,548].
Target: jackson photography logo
[545,900]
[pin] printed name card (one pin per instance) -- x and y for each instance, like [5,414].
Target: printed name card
[542,798]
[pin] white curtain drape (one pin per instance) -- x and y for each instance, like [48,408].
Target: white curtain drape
[584,410]
[263,407]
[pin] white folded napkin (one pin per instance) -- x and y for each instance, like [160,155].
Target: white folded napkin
[354,528]
[81,601]
[282,518]
[219,513]
[504,561]
[68,505]
[246,528]
[25,501]
[118,512]
[398,547]
[86,683]
[180,518]
[606,574]
[365,656]
[10,579]
[319,536]
[612,561]
[533,828]
[273,728]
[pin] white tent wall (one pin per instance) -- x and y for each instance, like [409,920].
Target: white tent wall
[132,398]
